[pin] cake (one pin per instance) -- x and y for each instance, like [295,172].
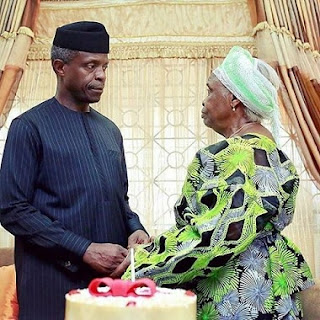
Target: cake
[106,298]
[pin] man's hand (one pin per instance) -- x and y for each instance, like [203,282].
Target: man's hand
[138,237]
[119,271]
[104,257]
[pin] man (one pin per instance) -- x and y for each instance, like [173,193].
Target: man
[63,181]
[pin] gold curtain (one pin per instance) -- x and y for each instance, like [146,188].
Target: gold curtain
[287,36]
[156,82]
[16,24]
[153,29]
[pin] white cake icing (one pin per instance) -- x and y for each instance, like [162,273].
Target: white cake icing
[164,304]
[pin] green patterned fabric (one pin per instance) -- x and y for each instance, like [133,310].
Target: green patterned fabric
[226,246]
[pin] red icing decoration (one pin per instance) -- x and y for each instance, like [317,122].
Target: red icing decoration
[71,292]
[189,293]
[148,284]
[124,288]
[95,284]
[131,304]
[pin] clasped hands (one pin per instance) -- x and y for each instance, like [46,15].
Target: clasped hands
[111,259]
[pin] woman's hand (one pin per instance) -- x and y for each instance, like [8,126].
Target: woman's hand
[138,237]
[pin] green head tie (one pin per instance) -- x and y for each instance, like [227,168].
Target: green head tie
[253,82]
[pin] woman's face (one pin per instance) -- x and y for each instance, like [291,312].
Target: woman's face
[216,110]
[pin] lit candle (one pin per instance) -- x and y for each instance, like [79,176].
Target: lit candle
[133,276]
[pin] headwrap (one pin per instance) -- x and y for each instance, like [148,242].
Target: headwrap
[254,83]
[88,36]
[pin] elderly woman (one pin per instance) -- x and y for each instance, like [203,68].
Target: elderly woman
[239,194]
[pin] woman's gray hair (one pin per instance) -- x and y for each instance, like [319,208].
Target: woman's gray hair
[251,116]
[66,55]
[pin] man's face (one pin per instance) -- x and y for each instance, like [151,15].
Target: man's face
[85,76]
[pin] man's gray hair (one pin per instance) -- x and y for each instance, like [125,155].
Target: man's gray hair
[66,55]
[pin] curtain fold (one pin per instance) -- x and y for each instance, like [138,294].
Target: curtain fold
[287,34]
[153,29]
[16,37]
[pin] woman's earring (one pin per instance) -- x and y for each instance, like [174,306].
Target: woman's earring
[233,109]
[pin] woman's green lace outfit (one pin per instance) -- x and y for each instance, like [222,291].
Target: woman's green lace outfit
[226,246]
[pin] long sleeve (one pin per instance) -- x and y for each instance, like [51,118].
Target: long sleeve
[64,181]
[221,212]
[63,185]
[18,179]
